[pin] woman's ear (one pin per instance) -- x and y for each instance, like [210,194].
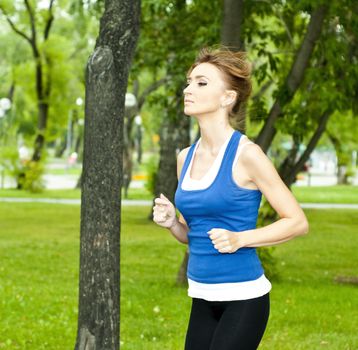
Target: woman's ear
[231,96]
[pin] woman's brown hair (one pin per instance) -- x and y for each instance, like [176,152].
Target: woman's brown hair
[237,72]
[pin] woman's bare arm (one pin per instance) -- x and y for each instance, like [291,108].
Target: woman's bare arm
[181,229]
[292,220]
[164,210]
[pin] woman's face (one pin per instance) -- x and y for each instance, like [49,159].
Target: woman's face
[205,92]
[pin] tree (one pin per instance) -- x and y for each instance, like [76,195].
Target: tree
[295,76]
[42,67]
[106,83]
[173,31]
[62,56]
[296,70]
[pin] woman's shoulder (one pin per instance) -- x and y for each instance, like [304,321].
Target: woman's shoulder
[251,154]
[181,158]
[182,154]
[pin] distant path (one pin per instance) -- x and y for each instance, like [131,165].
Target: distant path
[129,202]
[134,202]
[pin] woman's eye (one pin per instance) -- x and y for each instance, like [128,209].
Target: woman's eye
[202,84]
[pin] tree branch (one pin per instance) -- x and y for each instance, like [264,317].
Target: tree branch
[13,26]
[289,177]
[279,15]
[32,21]
[149,90]
[262,90]
[294,78]
[49,21]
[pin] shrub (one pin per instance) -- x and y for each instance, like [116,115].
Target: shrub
[266,216]
[30,176]
[152,172]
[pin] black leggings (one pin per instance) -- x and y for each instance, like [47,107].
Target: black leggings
[227,325]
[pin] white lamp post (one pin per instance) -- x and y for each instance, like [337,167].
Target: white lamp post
[130,100]
[5,103]
[79,101]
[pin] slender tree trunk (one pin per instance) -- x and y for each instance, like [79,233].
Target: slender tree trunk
[106,84]
[289,161]
[342,160]
[294,78]
[127,150]
[174,136]
[60,149]
[134,141]
[181,277]
[289,173]
[231,27]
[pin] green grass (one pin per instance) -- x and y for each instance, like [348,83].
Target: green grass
[39,250]
[55,194]
[133,193]
[326,194]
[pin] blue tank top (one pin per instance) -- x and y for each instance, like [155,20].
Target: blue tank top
[226,205]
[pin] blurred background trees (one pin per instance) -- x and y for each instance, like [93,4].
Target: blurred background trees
[304,68]
[305,76]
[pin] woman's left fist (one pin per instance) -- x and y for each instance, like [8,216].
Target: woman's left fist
[224,241]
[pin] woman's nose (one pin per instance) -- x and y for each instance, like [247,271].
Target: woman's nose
[186,89]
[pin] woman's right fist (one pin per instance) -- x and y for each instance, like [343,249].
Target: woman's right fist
[164,212]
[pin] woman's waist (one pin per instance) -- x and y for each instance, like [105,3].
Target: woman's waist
[200,242]
[229,291]
[208,250]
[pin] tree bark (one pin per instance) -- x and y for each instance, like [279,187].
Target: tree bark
[294,78]
[106,83]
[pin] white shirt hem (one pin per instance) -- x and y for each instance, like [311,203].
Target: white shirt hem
[229,291]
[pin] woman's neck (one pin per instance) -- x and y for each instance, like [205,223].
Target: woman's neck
[214,134]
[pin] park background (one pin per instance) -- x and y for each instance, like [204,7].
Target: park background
[304,57]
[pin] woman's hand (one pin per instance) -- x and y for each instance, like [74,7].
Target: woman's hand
[224,241]
[164,212]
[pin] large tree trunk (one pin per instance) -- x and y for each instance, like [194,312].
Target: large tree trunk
[106,83]
[294,78]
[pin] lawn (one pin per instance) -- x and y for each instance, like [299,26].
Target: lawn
[304,194]
[326,194]
[39,272]
[133,193]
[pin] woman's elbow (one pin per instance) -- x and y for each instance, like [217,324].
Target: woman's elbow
[302,226]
